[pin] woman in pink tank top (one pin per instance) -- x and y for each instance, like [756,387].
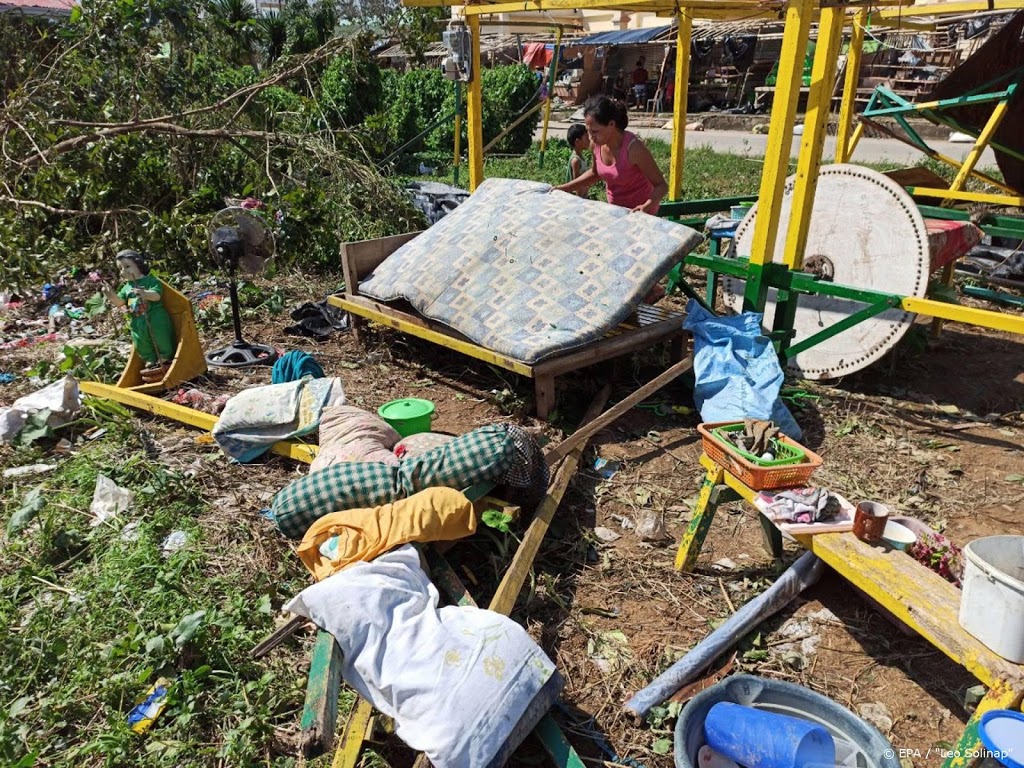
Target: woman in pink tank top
[621,160]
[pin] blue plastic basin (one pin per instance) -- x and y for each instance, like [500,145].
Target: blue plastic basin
[783,699]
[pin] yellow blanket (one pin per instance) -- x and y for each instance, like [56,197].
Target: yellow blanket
[436,514]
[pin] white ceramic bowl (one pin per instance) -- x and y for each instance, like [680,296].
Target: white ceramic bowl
[898,536]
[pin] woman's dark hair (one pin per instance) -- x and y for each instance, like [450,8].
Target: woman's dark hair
[575,133]
[135,256]
[604,110]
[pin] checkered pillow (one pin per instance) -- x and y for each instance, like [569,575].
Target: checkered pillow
[485,454]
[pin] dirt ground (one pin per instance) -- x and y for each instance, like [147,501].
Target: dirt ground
[936,431]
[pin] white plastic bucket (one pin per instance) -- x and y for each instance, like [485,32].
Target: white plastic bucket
[992,603]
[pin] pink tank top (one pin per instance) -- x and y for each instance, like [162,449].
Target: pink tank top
[626,184]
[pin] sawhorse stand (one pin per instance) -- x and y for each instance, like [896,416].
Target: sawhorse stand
[719,487]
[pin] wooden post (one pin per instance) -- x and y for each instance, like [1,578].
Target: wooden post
[679,99]
[776,156]
[551,94]
[474,108]
[844,142]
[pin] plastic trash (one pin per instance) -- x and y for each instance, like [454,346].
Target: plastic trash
[757,739]
[737,371]
[108,500]
[175,540]
[146,711]
[29,469]
[60,399]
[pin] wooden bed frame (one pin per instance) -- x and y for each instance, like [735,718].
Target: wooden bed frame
[648,326]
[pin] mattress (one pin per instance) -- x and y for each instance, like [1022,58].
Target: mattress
[529,272]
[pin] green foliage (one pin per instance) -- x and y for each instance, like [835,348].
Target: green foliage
[230,126]
[351,88]
[92,616]
[417,99]
[86,363]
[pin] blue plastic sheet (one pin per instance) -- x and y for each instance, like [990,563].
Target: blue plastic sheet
[737,370]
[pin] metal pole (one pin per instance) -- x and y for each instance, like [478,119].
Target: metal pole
[551,93]
[684,31]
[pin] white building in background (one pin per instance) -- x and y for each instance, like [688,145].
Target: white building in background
[267,6]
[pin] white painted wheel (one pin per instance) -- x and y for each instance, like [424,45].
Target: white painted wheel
[868,231]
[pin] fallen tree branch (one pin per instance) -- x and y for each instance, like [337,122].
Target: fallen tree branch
[69,211]
[169,123]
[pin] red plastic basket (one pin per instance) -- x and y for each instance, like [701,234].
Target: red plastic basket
[750,474]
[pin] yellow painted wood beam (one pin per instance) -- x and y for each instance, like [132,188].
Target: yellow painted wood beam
[948,9]
[968,197]
[844,136]
[915,595]
[986,135]
[780,139]
[653,6]
[986,318]
[680,96]
[183,415]
[435,337]
[474,109]
[819,100]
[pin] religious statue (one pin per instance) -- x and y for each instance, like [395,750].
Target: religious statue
[151,327]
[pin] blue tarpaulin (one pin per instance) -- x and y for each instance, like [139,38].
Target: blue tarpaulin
[623,37]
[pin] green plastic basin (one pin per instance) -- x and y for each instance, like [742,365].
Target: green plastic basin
[409,415]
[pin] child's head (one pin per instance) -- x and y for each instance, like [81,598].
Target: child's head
[132,264]
[577,137]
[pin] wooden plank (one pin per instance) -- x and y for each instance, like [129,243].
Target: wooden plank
[292,449]
[609,347]
[320,711]
[556,745]
[703,515]
[918,597]
[351,745]
[360,257]
[584,433]
[447,581]
[512,583]
[279,635]
[401,321]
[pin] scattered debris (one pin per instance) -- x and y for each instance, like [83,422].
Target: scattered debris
[108,500]
[725,564]
[174,541]
[29,469]
[607,535]
[609,651]
[876,714]
[148,710]
[607,468]
[651,527]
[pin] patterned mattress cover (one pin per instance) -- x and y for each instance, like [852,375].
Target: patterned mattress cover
[529,274]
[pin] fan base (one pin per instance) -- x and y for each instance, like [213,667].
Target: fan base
[241,355]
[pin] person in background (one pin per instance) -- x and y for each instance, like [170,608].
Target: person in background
[579,142]
[639,80]
[621,160]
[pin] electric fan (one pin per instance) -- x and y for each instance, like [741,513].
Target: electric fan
[240,242]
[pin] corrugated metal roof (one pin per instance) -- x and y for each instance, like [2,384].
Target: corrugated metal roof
[625,36]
